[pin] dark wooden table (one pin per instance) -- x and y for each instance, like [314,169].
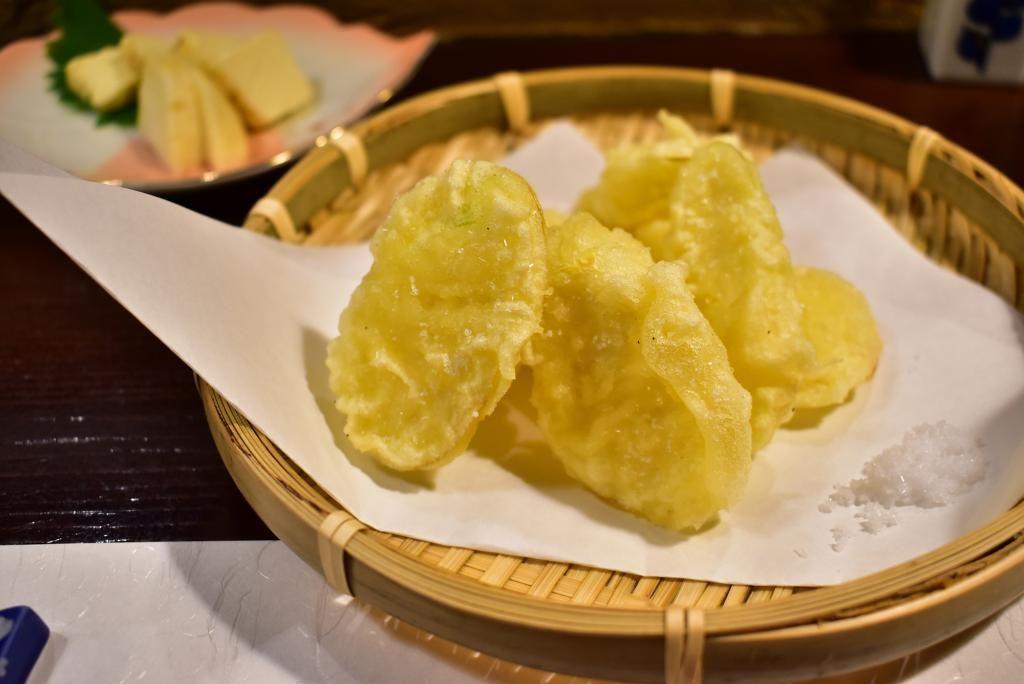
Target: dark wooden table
[102,437]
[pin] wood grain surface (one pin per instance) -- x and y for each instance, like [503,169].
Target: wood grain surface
[462,18]
[102,435]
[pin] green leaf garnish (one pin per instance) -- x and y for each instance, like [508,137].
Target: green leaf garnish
[84,27]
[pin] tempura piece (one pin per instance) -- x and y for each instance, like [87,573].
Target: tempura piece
[637,182]
[632,387]
[431,337]
[838,322]
[742,279]
[552,217]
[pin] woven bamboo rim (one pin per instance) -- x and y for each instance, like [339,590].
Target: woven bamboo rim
[589,621]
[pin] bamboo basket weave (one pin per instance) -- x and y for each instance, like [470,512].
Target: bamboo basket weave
[588,621]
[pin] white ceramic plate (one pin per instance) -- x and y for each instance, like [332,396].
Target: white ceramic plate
[353,67]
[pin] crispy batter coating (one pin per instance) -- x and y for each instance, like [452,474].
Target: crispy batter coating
[632,387]
[838,322]
[742,278]
[636,186]
[430,340]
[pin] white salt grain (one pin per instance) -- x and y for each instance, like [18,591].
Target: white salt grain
[931,466]
[840,538]
[874,517]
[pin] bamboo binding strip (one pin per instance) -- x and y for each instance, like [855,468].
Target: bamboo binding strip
[921,145]
[723,89]
[274,211]
[590,621]
[684,645]
[514,99]
[352,149]
[334,534]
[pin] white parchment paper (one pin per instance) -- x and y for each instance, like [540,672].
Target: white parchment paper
[253,317]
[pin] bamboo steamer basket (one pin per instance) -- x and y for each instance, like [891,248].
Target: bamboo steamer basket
[589,621]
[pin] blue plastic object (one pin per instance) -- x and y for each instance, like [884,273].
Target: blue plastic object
[23,634]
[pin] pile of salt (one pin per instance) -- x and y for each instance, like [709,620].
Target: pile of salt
[933,464]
